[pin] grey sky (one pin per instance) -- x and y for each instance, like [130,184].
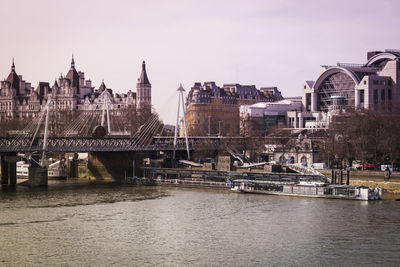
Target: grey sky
[266,43]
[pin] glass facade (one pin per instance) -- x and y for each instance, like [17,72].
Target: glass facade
[337,84]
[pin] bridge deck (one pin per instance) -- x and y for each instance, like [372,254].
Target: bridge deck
[107,144]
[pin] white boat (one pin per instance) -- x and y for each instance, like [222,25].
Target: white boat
[22,169]
[307,189]
[57,170]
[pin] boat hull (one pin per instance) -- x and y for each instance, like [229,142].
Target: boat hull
[316,191]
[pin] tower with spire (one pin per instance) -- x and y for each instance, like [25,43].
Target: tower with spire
[14,79]
[143,92]
[73,76]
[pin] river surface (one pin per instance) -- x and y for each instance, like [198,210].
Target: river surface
[106,225]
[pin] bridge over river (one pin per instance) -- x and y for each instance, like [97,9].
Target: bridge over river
[115,150]
[106,144]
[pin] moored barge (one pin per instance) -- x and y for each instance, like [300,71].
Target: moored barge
[307,189]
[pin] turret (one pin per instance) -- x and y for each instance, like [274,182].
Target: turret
[143,96]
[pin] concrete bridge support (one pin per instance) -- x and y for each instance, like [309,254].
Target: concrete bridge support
[9,169]
[115,165]
[37,176]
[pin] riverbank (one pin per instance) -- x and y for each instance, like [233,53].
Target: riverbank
[390,188]
[374,179]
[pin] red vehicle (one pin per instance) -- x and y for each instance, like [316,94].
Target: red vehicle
[370,167]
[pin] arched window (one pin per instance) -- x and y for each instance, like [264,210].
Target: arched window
[303,160]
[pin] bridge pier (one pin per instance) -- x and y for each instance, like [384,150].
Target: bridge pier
[9,169]
[115,165]
[37,176]
[4,171]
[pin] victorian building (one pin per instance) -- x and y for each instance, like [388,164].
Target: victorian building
[214,110]
[72,92]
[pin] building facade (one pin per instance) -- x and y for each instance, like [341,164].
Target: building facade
[214,110]
[257,119]
[373,85]
[18,99]
[294,151]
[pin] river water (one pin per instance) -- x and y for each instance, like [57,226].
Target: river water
[105,225]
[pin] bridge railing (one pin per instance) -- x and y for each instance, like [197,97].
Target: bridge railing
[76,144]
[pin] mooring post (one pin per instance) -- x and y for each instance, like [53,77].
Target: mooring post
[332,176]
[348,177]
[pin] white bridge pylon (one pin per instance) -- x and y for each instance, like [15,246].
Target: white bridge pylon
[181,90]
[46,110]
[105,95]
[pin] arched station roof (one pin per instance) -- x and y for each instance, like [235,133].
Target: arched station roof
[333,70]
[379,58]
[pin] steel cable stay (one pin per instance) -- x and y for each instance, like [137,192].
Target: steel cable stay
[25,133]
[137,133]
[93,121]
[89,124]
[143,130]
[154,133]
[149,132]
[71,129]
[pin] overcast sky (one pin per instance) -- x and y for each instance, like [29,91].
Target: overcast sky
[265,43]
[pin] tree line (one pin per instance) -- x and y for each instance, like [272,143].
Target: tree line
[367,136]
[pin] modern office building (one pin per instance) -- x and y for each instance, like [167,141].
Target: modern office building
[258,118]
[373,85]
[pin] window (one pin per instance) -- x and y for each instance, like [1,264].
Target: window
[375,96]
[361,96]
[383,95]
[365,82]
[389,94]
[308,102]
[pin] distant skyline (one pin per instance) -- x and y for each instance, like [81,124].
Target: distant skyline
[265,43]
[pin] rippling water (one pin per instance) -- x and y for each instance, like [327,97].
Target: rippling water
[145,226]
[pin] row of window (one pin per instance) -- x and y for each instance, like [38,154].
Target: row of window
[380,82]
[144,93]
[5,106]
[383,95]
